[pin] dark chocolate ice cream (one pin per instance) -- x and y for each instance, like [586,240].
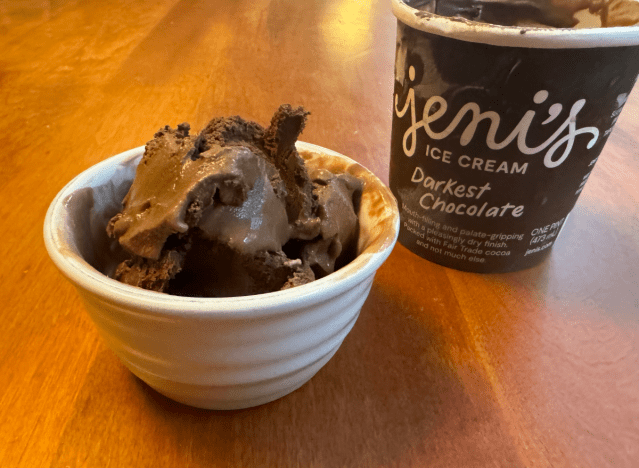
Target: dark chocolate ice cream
[234,211]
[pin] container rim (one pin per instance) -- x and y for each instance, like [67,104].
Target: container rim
[515,36]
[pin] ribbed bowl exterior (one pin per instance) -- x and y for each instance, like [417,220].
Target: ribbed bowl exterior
[223,361]
[226,353]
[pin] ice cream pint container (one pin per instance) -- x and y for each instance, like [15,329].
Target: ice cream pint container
[495,132]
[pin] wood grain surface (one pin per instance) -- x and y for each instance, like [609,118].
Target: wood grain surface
[443,369]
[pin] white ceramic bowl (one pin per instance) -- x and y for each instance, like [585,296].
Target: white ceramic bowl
[218,353]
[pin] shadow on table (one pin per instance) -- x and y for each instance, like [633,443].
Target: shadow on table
[592,268]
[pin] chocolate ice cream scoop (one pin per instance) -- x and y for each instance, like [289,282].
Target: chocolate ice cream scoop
[174,185]
[234,211]
[337,195]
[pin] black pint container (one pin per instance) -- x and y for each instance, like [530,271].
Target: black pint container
[496,130]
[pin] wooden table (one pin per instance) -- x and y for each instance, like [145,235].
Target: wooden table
[443,368]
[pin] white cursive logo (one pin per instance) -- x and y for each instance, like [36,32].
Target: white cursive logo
[436,107]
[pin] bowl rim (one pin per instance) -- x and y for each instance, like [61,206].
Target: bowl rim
[86,278]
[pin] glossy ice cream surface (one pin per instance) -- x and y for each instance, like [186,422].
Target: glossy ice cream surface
[233,211]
